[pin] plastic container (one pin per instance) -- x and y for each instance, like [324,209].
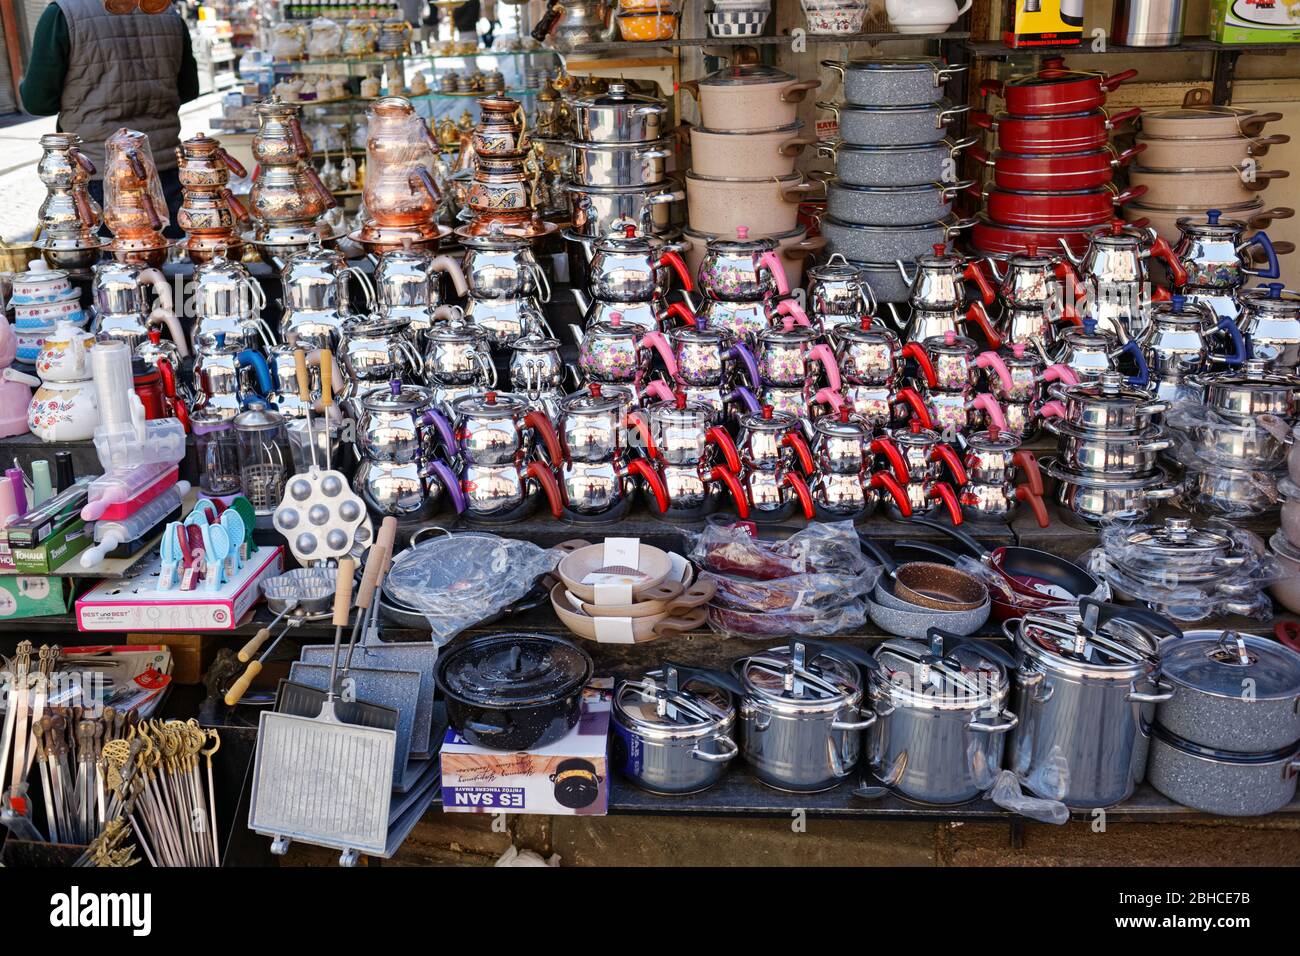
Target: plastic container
[120,493]
[111,534]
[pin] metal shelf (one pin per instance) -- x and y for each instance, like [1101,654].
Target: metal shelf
[995,49]
[629,46]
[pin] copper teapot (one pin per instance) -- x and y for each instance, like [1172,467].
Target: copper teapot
[135,208]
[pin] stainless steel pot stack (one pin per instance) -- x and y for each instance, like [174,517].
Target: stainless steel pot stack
[1106,466]
[622,160]
[1228,739]
[1233,462]
[891,197]
[941,716]
[1086,686]
[507,287]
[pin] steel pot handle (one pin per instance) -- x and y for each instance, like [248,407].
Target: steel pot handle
[730,750]
[540,275]
[413,354]
[945,116]
[836,65]
[1008,721]
[367,287]
[850,726]
[1159,697]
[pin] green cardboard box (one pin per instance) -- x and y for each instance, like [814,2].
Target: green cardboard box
[1255,21]
[38,595]
[55,551]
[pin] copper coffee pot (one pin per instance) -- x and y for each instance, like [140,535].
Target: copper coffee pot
[135,209]
[210,213]
[288,197]
[401,198]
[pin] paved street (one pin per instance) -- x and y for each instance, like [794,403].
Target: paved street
[21,192]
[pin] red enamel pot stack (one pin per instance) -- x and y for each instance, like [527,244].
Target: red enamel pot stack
[1054,165]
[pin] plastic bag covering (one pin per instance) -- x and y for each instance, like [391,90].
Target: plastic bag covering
[1181,593]
[326,37]
[460,580]
[815,582]
[1000,589]
[1201,438]
[288,41]
[127,153]
[1007,794]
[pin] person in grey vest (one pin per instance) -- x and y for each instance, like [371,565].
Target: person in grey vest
[100,71]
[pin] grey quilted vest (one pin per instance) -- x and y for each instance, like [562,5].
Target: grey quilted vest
[122,71]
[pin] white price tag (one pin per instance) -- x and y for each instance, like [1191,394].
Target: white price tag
[614,591]
[622,553]
[614,630]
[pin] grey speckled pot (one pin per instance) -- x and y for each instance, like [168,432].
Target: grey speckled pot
[897,206]
[1241,787]
[896,165]
[886,243]
[893,125]
[896,81]
[887,283]
[1230,719]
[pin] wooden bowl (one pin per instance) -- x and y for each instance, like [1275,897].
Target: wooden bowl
[624,630]
[654,568]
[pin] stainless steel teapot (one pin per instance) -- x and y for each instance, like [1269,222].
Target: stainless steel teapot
[938,283]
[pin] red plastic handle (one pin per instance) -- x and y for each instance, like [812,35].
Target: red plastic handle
[1161,249]
[795,481]
[943,491]
[979,317]
[945,454]
[729,479]
[1287,633]
[542,425]
[1035,502]
[883,479]
[551,487]
[718,437]
[681,310]
[976,275]
[886,447]
[1028,465]
[638,421]
[647,473]
[1123,117]
[1115,79]
[912,398]
[916,352]
[671,258]
[795,440]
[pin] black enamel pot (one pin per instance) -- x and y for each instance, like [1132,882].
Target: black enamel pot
[513,691]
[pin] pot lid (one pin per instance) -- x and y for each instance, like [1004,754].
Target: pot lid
[1109,389]
[1272,299]
[950,343]
[1278,543]
[395,397]
[627,239]
[868,329]
[1253,375]
[767,419]
[1157,479]
[746,74]
[741,242]
[619,95]
[895,63]
[458,331]
[257,420]
[840,425]
[681,411]
[789,130]
[1220,663]
[788,333]
[993,440]
[1182,310]
[514,670]
[489,405]
[535,341]
[914,433]
[1221,757]
[1053,72]
[1178,538]
[1212,227]
[921,675]
[794,674]
[656,703]
[1115,646]
[595,399]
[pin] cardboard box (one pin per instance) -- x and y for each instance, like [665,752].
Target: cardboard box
[24,595]
[568,778]
[52,553]
[191,654]
[1255,21]
[135,603]
[1043,23]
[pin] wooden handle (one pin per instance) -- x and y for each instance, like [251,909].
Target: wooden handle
[240,687]
[326,378]
[249,650]
[374,562]
[300,369]
[387,536]
[343,594]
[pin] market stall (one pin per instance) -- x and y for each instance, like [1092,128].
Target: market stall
[877,426]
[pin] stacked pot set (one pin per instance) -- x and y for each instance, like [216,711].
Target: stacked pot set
[1200,157]
[1054,163]
[895,163]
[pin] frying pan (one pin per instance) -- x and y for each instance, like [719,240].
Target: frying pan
[927,584]
[1033,573]
[1006,603]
